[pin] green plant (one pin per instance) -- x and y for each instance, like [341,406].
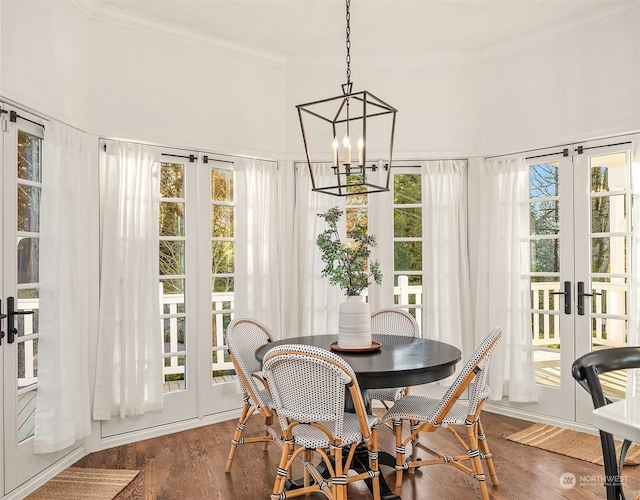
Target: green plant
[347,263]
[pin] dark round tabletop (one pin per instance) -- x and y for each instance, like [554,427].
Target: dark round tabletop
[401,361]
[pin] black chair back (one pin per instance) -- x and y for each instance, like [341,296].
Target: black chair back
[587,370]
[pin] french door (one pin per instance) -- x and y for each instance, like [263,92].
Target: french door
[21,171]
[196,230]
[580,206]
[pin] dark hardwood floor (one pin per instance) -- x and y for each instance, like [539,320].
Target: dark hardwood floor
[190,465]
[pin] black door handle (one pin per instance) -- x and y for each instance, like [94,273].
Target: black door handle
[567,296]
[12,312]
[582,295]
[2,316]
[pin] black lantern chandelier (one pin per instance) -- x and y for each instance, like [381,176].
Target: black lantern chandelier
[347,125]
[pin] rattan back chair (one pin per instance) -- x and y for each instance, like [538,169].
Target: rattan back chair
[389,323]
[308,386]
[243,337]
[429,414]
[587,370]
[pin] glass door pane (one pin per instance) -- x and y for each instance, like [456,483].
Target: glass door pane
[546,285]
[408,244]
[605,299]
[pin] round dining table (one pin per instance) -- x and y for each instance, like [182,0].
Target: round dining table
[398,362]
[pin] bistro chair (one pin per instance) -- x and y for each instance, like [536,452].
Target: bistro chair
[243,337]
[390,323]
[308,386]
[428,415]
[587,370]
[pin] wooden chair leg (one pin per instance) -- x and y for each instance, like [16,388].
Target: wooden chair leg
[339,483]
[400,455]
[373,463]
[476,462]
[484,448]
[268,422]
[283,472]
[308,455]
[413,426]
[237,435]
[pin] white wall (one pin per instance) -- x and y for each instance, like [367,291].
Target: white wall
[434,102]
[148,83]
[44,58]
[179,92]
[573,88]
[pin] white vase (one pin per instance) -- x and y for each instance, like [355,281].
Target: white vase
[354,323]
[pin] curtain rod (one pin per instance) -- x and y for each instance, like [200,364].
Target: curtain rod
[563,146]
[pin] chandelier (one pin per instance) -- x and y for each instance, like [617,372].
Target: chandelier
[344,127]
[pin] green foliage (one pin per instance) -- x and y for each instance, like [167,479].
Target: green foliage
[347,264]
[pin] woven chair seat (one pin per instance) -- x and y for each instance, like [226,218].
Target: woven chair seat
[391,394]
[426,410]
[265,399]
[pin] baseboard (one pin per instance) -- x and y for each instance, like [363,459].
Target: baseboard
[34,483]
[164,430]
[508,411]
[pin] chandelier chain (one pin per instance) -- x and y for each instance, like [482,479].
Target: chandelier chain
[348,33]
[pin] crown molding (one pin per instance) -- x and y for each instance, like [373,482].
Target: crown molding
[553,33]
[97,11]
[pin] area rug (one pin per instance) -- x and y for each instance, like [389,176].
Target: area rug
[570,443]
[78,483]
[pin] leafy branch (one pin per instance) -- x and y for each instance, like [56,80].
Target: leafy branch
[347,264]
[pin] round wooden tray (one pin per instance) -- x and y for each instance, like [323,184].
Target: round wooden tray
[373,347]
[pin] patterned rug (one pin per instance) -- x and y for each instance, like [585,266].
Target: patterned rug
[570,443]
[78,483]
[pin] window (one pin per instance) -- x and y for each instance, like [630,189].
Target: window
[173,277]
[222,266]
[407,243]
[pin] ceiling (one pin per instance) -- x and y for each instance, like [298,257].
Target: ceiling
[395,29]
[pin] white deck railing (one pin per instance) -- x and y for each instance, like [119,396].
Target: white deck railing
[609,333]
[218,303]
[546,327]
[27,362]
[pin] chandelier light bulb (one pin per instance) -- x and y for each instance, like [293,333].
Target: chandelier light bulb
[346,142]
[335,145]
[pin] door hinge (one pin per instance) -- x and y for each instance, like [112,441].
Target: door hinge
[3,120]
[578,151]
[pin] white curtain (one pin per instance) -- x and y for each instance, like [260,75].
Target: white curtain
[316,301]
[502,295]
[447,302]
[633,380]
[257,291]
[129,364]
[68,257]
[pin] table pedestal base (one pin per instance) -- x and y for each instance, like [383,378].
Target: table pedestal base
[360,464]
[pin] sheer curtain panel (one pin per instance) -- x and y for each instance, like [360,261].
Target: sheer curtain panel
[68,281]
[447,302]
[258,284]
[314,302]
[129,378]
[502,295]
